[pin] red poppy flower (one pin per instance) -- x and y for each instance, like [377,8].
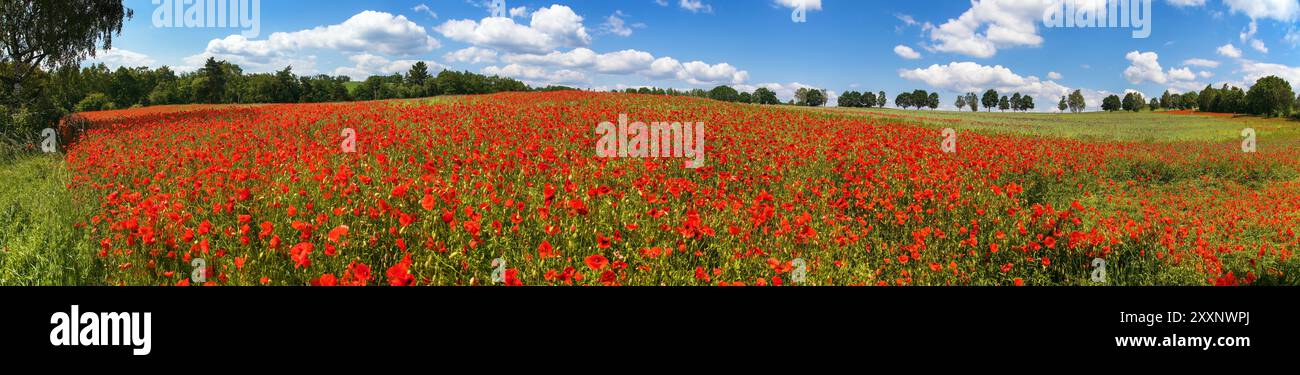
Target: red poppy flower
[300,255]
[596,261]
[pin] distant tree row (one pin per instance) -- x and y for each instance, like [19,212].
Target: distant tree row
[1133,102]
[1270,96]
[1187,100]
[854,99]
[991,100]
[918,99]
[723,93]
[93,88]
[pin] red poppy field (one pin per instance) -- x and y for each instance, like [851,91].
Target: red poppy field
[438,190]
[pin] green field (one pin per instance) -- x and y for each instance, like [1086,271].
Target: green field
[1103,126]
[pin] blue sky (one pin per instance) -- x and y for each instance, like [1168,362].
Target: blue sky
[950,46]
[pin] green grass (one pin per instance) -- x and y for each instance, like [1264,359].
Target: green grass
[40,241]
[1157,127]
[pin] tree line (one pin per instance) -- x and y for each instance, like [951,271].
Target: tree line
[1270,96]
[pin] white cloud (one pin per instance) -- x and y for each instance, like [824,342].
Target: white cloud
[533,75]
[698,72]
[1229,50]
[472,55]
[1281,10]
[1181,74]
[1205,63]
[1054,76]
[614,24]
[519,11]
[366,65]
[556,26]
[1186,3]
[695,6]
[119,57]
[1292,37]
[906,52]
[423,8]
[662,3]
[990,25]
[1205,74]
[1144,66]
[1258,45]
[962,77]
[368,31]
[632,61]
[794,4]
[1253,71]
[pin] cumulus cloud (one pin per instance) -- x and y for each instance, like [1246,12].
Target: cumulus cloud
[368,31]
[906,52]
[1258,45]
[794,4]
[1253,71]
[424,8]
[471,55]
[1186,3]
[1204,63]
[615,24]
[549,28]
[1280,10]
[962,77]
[632,61]
[1054,76]
[1144,66]
[1181,74]
[117,57]
[1229,50]
[366,65]
[990,25]
[534,75]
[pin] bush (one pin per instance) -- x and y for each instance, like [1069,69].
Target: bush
[96,101]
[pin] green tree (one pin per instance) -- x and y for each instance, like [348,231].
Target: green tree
[1004,104]
[1076,102]
[972,101]
[213,87]
[850,99]
[96,101]
[1026,103]
[903,100]
[815,98]
[763,95]
[990,100]
[1190,100]
[37,35]
[961,102]
[933,101]
[1270,96]
[724,93]
[418,74]
[1015,102]
[1111,103]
